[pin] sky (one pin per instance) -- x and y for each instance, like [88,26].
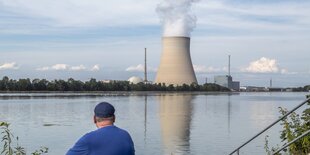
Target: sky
[59,39]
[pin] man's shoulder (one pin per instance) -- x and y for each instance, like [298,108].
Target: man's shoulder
[122,130]
[107,131]
[116,130]
[111,128]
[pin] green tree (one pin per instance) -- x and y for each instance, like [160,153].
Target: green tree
[24,85]
[194,87]
[61,85]
[4,83]
[170,88]
[12,85]
[39,85]
[75,85]
[51,86]
[91,85]
[7,84]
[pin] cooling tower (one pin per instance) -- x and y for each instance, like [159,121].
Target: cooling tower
[176,65]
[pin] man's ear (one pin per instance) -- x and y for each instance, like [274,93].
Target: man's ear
[113,119]
[95,119]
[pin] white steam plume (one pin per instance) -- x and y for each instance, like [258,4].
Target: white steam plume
[177,17]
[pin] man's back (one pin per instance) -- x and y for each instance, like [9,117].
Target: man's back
[109,140]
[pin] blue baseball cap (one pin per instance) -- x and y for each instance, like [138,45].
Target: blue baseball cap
[104,110]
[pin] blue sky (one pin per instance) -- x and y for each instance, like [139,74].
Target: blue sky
[106,39]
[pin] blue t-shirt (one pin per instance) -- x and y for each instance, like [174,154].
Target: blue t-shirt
[109,140]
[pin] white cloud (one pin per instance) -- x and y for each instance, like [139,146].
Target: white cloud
[140,68]
[265,65]
[205,69]
[54,67]
[78,68]
[7,66]
[60,67]
[200,69]
[284,71]
[43,68]
[64,67]
[95,68]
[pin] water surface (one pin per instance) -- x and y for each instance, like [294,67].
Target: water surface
[159,123]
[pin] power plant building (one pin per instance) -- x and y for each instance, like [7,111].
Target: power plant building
[135,80]
[176,65]
[227,81]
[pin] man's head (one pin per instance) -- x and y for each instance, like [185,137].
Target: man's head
[104,114]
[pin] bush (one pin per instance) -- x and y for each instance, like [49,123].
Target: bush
[294,126]
[9,148]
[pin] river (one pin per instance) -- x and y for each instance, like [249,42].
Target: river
[159,123]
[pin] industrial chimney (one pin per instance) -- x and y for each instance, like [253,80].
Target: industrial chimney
[176,65]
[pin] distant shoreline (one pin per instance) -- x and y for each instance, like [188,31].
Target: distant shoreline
[31,94]
[73,94]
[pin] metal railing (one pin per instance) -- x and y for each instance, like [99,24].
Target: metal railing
[291,142]
[271,125]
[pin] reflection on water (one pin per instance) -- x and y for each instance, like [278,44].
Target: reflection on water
[175,119]
[145,118]
[261,114]
[228,113]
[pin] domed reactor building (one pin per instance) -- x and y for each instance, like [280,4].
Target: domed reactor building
[176,65]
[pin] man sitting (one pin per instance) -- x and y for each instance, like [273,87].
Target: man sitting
[107,139]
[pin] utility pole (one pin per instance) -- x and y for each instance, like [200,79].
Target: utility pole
[228,65]
[145,67]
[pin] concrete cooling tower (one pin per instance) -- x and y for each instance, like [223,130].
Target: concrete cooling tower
[176,65]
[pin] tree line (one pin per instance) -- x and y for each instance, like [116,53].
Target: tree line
[7,84]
